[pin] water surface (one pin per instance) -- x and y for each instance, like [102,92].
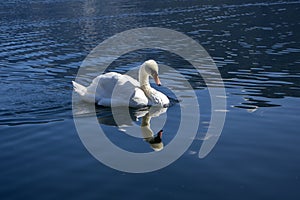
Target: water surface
[255,45]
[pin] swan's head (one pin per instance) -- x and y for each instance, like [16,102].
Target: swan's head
[151,68]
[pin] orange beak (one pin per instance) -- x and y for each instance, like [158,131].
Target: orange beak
[156,79]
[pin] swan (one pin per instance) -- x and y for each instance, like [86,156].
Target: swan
[127,90]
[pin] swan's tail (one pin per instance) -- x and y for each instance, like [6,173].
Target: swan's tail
[80,89]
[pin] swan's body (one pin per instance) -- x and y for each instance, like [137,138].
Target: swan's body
[114,89]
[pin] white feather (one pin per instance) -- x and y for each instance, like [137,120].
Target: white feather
[114,89]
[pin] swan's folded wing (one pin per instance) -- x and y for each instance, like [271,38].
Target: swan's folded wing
[139,98]
[158,98]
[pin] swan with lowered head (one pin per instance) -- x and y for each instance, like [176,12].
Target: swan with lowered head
[127,90]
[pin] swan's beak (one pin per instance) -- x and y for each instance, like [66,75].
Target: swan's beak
[156,79]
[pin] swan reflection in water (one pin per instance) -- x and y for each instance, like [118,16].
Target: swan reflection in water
[154,141]
[123,120]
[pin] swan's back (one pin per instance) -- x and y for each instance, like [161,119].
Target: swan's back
[125,88]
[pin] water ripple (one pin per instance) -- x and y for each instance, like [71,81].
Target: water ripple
[257,52]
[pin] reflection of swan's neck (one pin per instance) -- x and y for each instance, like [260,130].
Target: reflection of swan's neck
[155,142]
[146,120]
[145,127]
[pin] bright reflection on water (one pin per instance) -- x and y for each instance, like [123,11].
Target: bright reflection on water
[256,46]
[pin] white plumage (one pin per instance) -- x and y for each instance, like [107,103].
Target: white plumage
[114,89]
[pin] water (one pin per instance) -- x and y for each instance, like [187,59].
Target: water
[255,45]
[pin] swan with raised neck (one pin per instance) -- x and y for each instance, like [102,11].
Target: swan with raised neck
[147,69]
[142,94]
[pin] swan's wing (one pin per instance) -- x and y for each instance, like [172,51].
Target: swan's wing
[103,85]
[125,90]
[139,99]
[158,98]
[133,98]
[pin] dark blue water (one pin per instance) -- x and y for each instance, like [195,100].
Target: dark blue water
[256,47]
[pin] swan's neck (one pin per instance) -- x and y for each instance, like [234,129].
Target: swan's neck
[143,77]
[144,81]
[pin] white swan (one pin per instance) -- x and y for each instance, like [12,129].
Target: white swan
[127,91]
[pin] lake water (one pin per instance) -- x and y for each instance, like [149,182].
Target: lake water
[256,47]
